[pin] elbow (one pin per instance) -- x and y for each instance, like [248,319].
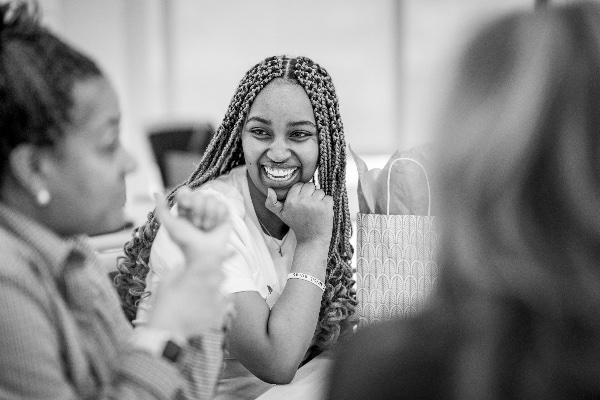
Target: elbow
[279,378]
[278,375]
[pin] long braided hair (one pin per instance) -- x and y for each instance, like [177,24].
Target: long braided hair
[224,153]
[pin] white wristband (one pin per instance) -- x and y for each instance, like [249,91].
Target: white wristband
[309,278]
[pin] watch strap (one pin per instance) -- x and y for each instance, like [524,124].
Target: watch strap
[159,343]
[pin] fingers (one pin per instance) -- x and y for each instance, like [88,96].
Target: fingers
[199,215]
[319,194]
[162,212]
[203,210]
[272,204]
[307,189]
[215,213]
[208,213]
[295,190]
[183,198]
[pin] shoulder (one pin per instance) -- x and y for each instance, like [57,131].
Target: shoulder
[229,189]
[18,258]
[401,356]
[20,268]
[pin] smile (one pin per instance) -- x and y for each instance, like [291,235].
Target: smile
[279,174]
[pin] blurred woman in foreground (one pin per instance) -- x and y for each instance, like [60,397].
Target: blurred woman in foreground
[517,311]
[62,168]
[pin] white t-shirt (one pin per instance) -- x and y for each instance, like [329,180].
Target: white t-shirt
[256,265]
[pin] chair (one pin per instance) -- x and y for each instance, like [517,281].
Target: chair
[178,147]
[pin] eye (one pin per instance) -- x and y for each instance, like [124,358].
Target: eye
[111,146]
[301,135]
[259,133]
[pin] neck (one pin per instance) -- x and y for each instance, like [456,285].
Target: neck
[273,224]
[14,196]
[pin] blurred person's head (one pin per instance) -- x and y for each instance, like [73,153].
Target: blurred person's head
[520,169]
[284,124]
[61,161]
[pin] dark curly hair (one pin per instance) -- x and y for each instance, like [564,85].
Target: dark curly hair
[37,75]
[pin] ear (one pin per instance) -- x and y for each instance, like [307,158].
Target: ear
[29,165]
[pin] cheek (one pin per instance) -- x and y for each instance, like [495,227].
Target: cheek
[310,161]
[101,184]
[252,152]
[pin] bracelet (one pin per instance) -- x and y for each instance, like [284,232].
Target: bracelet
[309,278]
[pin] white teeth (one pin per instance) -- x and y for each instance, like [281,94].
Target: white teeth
[279,174]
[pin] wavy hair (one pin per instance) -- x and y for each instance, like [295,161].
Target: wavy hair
[224,152]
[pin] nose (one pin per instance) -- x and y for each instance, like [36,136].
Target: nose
[279,150]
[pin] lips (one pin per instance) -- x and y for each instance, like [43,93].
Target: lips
[279,175]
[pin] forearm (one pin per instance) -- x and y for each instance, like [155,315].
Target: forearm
[278,346]
[201,365]
[35,357]
[141,375]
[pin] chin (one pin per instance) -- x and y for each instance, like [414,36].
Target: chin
[110,224]
[281,194]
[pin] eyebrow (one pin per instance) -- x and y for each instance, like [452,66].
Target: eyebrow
[259,119]
[268,122]
[298,123]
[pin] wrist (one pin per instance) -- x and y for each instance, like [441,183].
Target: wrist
[158,342]
[308,278]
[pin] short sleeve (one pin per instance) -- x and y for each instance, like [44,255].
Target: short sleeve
[238,276]
[245,270]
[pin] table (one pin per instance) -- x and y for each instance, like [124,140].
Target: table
[309,383]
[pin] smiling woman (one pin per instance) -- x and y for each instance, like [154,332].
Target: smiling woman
[289,278]
[279,139]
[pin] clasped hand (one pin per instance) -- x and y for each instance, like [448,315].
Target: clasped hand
[306,210]
[189,299]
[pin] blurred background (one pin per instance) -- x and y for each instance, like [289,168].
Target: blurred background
[176,63]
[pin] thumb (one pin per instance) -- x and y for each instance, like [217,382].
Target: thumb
[179,229]
[272,204]
[161,210]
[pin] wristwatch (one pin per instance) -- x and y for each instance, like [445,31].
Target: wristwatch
[171,351]
[159,343]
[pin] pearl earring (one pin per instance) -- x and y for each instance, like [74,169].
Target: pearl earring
[42,197]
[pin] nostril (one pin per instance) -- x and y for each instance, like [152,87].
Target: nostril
[278,154]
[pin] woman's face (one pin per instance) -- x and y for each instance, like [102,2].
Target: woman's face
[87,178]
[280,139]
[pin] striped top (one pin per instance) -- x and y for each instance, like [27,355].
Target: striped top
[63,334]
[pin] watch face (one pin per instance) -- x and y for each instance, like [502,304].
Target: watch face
[172,351]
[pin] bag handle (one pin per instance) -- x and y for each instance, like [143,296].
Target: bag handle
[426,179]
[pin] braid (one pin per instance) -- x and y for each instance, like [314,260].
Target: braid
[224,153]
[339,300]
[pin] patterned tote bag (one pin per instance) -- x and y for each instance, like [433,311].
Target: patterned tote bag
[396,266]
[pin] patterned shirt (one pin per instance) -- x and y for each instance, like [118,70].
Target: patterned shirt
[63,334]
